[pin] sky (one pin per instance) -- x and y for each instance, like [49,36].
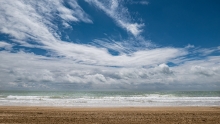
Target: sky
[109,45]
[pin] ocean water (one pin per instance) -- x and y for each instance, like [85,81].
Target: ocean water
[109,98]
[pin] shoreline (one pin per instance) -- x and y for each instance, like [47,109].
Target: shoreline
[103,107]
[132,108]
[166,115]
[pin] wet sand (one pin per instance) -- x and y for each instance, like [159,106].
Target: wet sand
[147,115]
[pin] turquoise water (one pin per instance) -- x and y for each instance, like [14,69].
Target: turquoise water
[109,98]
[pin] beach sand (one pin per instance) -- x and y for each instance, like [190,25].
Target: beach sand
[147,115]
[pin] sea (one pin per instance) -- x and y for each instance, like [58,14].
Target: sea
[109,98]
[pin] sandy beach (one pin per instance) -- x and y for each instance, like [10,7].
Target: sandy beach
[149,115]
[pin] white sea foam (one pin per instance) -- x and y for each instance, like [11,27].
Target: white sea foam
[110,101]
[27,97]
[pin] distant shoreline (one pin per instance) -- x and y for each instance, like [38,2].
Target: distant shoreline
[159,108]
[105,107]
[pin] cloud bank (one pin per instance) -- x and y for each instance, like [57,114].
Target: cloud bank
[32,71]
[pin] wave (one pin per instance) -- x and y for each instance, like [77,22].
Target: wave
[96,99]
[27,97]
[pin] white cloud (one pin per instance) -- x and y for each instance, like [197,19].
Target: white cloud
[202,70]
[135,28]
[99,56]
[78,12]
[124,45]
[206,51]
[21,21]
[33,71]
[27,23]
[189,46]
[5,45]
[49,8]
[143,2]
[66,14]
[33,19]
[119,14]
[165,69]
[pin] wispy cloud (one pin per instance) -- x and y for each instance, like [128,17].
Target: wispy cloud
[143,2]
[28,24]
[5,45]
[119,14]
[33,19]
[207,51]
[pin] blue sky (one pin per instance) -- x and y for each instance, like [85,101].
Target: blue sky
[110,45]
